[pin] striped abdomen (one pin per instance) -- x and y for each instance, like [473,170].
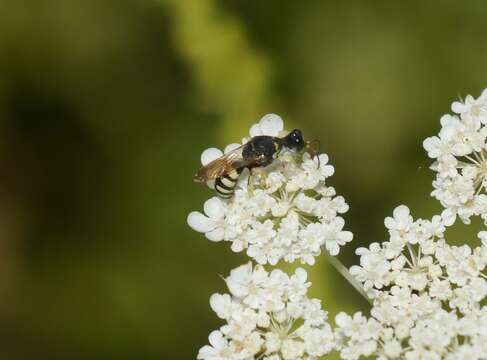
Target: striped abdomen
[225,185]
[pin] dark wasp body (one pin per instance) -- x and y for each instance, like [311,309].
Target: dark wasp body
[260,151]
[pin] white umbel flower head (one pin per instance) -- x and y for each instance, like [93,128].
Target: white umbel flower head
[286,212]
[268,316]
[460,157]
[427,294]
[428,297]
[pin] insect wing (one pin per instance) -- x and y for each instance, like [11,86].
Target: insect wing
[221,166]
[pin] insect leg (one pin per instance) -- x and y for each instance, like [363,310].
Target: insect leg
[263,177]
[313,148]
[257,171]
[250,181]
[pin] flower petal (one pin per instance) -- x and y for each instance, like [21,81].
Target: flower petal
[214,208]
[458,107]
[207,352]
[301,274]
[255,130]
[221,305]
[271,124]
[216,339]
[389,222]
[198,222]
[401,212]
[209,155]
[238,280]
[231,147]
[448,217]
[215,235]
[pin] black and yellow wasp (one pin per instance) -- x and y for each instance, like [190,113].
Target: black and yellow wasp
[259,151]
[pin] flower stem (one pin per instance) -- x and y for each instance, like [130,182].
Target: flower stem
[346,274]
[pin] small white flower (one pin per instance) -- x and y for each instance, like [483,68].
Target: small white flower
[472,109]
[374,269]
[217,350]
[244,279]
[270,124]
[292,349]
[392,349]
[212,224]
[319,341]
[400,223]
[335,237]
[222,305]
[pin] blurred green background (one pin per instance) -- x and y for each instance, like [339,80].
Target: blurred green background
[106,105]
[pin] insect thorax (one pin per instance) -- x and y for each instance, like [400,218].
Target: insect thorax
[262,149]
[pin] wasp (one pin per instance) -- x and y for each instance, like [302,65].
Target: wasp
[258,152]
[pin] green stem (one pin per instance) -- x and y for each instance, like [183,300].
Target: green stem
[346,274]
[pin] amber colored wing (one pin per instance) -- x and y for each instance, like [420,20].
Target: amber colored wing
[221,166]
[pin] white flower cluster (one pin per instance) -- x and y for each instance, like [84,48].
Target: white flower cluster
[425,332]
[461,161]
[427,295]
[286,212]
[268,317]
